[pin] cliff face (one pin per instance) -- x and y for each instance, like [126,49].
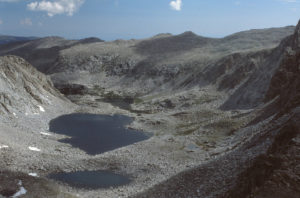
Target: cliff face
[23,89]
[277,172]
[285,84]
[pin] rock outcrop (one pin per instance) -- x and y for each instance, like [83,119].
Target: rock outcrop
[23,89]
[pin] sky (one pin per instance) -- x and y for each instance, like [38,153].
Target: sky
[127,19]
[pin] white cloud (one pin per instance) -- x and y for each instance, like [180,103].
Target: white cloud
[26,21]
[52,8]
[176,5]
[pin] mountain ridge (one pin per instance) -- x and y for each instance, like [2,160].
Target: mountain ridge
[4,39]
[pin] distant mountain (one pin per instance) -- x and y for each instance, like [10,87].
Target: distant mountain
[42,52]
[53,54]
[4,39]
[90,40]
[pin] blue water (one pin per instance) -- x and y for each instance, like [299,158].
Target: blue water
[96,134]
[91,179]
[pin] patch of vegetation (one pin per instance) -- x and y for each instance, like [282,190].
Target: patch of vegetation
[185,125]
[227,126]
[138,101]
[186,128]
[198,116]
[111,96]
[148,98]
[96,90]
[179,114]
[187,132]
[208,144]
[146,111]
[205,99]
[205,113]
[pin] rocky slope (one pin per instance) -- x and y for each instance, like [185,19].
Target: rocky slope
[23,89]
[28,100]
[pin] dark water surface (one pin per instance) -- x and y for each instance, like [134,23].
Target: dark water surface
[96,134]
[91,179]
[123,103]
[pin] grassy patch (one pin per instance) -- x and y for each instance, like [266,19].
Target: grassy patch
[210,143]
[111,96]
[138,101]
[187,131]
[96,90]
[205,99]
[186,128]
[151,97]
[227,126]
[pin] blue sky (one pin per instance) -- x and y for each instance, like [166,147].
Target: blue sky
[126,19]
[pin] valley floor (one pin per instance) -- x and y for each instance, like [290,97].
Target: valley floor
[182,140]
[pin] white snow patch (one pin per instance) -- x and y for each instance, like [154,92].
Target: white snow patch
[3,146]
[34,148]
[33,174]
[26,114]
[22,191]
[42,109]
[44,133]
[15,114]
[36,114]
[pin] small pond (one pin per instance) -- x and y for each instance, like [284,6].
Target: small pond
[91,179]
[96,134]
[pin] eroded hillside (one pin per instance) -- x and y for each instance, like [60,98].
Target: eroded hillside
[23,89]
